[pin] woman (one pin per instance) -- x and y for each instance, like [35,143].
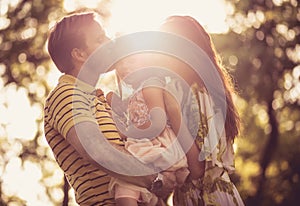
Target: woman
[190,114]
[212,185]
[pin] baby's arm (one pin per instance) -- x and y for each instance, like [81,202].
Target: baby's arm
[186,140]
[119,106]
[154,100]
[157,118]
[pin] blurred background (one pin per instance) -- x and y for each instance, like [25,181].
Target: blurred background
[259,41]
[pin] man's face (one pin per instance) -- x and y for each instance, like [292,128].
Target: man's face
[94,37]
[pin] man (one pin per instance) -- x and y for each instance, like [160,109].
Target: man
[74,102]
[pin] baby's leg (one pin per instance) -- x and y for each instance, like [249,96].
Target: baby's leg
[125,196]
[126,201]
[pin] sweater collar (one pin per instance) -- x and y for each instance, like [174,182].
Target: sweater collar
[69,79]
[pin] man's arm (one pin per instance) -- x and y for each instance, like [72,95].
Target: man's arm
[108,155]
[89,130]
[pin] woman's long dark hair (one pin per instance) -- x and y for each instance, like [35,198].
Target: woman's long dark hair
[191,29]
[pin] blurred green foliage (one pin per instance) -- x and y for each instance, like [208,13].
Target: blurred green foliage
[262,52]
[24,64]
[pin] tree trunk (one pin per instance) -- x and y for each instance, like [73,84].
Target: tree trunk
[267,154]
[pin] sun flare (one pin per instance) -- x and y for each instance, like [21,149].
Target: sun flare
[136,15]
[140,15]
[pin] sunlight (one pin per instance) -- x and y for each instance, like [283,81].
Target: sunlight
[248,169]
[26,174]
[52,76]
[140,15]
[19,124]
[5,5]
[148,15]
[71,5]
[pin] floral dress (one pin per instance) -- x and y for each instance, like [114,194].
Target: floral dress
[215,187]
[162,152]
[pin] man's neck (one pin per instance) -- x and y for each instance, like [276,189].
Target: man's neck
[85,75]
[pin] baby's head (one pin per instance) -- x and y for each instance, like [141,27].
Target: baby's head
[127,69]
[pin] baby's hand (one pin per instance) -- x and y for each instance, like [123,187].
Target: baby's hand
[115,102]
[109,97]
[116,108]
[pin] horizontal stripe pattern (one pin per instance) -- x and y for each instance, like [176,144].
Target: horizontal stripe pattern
[67,105]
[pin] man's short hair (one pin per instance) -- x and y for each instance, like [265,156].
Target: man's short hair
[67,34]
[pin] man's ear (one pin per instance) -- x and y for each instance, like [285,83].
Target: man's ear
[78,55]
